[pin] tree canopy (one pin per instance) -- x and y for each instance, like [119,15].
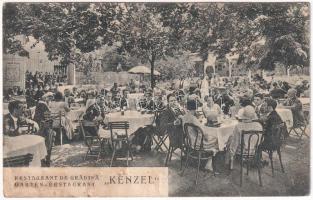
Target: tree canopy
[151,32]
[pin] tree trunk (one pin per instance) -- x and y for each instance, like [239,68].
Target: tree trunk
[286,68]
[152,75]
[152,72]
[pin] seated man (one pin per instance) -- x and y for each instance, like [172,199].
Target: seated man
[276,92]
[169,120]
[260,105]
[124,100]
[114,90]
[270,141]
[295,105]
[158,103]
[146,102]
[15,118]
[246,117]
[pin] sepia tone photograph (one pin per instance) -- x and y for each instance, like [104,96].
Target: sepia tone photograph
[207,99]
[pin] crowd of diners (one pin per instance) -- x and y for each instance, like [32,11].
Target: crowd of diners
[200,101]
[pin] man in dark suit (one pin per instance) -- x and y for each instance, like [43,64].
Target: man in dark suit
[170,122]
[15,119]
[259,105]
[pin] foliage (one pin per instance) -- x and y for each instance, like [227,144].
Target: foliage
[157,33]
[63,27]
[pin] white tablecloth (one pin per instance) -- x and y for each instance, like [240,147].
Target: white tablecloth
[305,100]
[223,132]
[286,116]
[135,119]
[24,144]
[75,114]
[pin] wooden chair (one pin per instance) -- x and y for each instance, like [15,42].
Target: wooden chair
[57,123]
[274,144]
[176,142]
[91,139]
[49,141]
[248,155]
[18,161]
[195,149]
[119,134]
[298,130]
[157,137]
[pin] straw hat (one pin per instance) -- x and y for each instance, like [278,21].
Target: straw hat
[48,94]
[247,113]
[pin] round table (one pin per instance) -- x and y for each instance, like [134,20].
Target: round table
[286,116]
[135,119]
[223,132]
[24,144]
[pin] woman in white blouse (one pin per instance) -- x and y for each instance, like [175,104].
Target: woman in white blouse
[210,108]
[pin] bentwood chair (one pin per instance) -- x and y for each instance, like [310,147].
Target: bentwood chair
[195,147]
[249,152]
[119,135]
[18,161]
[273,144]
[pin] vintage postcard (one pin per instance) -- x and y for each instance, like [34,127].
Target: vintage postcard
[155,99]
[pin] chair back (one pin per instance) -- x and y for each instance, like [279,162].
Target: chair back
[18,161]
[85,124]
[49,141]
[27,128]
[57,119]
[249,143]
[121,125]
[277,135]
[193,137]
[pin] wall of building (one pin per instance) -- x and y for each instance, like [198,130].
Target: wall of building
[14,68]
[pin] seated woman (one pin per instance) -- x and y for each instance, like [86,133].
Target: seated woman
[246,117]
[271,138]
[42,107]
[60,106]
[95,113]
[209,106]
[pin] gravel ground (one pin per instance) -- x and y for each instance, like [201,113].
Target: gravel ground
[294,182]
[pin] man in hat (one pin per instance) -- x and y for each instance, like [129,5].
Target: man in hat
[295,105]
